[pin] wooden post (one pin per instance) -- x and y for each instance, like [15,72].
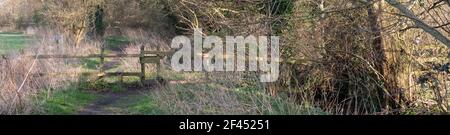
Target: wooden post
[4,58]
[158,69]
[158,65]
[121,79]
[22,51]
[141,58]
[102,60]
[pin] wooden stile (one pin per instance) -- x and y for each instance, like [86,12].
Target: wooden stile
[145,57]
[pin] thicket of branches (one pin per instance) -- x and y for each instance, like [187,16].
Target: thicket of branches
[347,57]
[344,56]
[83,19]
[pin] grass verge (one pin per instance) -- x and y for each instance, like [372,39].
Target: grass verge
[64,102]
[138,105]
[12,42]
[116,42]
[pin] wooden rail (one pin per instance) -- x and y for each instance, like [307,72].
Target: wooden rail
[145,57]
[87,56]
[147,54]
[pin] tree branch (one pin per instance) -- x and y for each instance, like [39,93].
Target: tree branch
[415,27]
[419,23]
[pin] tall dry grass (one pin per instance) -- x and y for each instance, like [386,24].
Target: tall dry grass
[203,98]
[22,75]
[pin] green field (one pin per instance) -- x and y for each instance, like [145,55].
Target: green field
[12,42]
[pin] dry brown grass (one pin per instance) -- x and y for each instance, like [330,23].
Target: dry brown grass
[20,75]
[200,98]
[20,80]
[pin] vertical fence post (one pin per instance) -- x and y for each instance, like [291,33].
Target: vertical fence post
[158,65]
[141,58]
[22,51]
[121,78]
[102,59]
[4,58]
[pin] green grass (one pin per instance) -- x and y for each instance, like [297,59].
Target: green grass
[139,105]
[74,99]
[91,64]
[115,42]
[64,102]
[12,42]
[117,88]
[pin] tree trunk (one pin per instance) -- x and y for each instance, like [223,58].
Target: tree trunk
[379,56]
[377,41]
